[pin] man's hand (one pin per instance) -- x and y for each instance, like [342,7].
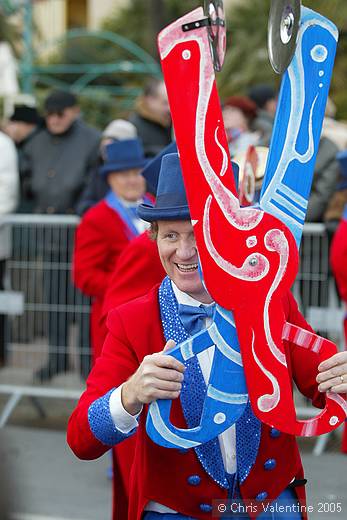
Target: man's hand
[333,374]
[158,377]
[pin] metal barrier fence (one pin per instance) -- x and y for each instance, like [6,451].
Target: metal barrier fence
[46,340]
[47,320]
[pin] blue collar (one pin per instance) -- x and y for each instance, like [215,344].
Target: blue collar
[124,213]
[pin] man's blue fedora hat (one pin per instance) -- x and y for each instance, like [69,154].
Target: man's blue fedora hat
[152,168]
[171,201]
[123,155]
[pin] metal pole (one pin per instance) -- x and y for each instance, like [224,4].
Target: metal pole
[27,56]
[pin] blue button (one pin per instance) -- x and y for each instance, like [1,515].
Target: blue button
[205,508]
[274,433]
[194,480]
[261,496]
[270,464]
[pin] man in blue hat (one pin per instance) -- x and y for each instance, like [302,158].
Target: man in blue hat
[249,460]
[107,227]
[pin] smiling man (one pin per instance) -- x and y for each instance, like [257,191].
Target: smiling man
[248,461]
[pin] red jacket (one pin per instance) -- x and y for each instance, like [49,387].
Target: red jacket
[138,269]
[100,238]
[161,474]
[338,260]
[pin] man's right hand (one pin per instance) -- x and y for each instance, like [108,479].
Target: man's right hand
[158,377]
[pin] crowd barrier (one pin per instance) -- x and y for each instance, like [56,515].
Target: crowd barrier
[47,319]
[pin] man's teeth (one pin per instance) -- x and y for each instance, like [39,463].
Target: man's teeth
[187,267]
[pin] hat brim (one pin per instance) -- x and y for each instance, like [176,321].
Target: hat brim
[121,167]
[151,213]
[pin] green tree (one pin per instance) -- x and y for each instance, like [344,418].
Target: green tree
[141,21]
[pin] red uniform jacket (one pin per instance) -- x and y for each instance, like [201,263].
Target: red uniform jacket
[138,269]
[338,260]
[161,474]
[100,239]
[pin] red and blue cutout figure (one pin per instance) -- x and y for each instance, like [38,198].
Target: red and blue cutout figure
[248,256]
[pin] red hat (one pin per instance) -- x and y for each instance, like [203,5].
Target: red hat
[246,105]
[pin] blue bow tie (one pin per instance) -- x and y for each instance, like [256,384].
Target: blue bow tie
[193,318]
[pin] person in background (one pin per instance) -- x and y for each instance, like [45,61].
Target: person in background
[238,114]
[259,463]
[325,180]
[338,262]
[22,126]
[61,156]
[97,187]
[152,118]
[336,131]
[138,268]
[265,97]
[9,188]
[107,227]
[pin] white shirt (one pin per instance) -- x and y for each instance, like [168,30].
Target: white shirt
[125,422]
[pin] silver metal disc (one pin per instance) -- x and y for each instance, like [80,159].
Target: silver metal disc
[214,10]
[284,21]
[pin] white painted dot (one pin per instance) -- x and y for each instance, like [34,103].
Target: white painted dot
[321,73]
[333,420]
[319,53]
[219,418]
[320,85]
[251,241]
[186,54]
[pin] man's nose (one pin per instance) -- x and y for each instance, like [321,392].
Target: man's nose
[186,250]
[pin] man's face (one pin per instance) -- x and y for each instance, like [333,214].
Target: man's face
[128,185]
[179,256]
[60,121]
[158,103]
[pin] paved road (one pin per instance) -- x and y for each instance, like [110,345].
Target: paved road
[51,484]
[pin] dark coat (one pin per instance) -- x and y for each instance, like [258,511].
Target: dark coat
[94,191]
[325,180]
[26,202]
[60,166]
[153,135]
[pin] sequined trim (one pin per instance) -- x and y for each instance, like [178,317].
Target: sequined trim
[248,434]
[101,423]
